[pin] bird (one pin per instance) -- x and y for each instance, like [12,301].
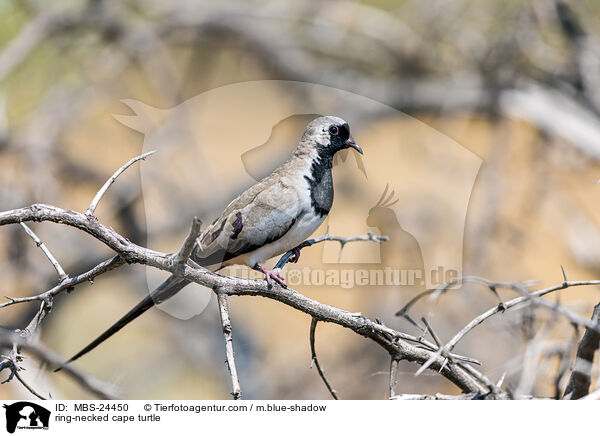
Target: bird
[270,218]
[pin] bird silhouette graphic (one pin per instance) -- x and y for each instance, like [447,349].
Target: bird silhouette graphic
[402,252]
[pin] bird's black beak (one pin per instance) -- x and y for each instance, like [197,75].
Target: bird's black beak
[351,144]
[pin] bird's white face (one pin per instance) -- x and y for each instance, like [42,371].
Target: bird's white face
[331,133]
[322,127]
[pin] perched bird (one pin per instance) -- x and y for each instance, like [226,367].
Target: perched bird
[270,218]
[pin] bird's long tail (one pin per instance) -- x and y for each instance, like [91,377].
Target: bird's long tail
[163,292]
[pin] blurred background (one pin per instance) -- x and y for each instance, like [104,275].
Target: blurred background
[482,117]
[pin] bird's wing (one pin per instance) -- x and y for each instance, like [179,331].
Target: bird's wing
[259,216]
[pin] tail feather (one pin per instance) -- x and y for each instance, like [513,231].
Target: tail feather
[163,292]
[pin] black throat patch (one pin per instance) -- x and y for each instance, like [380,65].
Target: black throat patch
[320,182]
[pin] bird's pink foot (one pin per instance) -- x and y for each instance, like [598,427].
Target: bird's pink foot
[271,276]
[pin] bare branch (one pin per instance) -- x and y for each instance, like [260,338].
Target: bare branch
[188,245]
[342,240]
[236,391]
[443,288]
[431,332]
[90,211]
[99,269]
[100,389]
[437,396]
[315,360]
[391,340]
[514,302]
[29,388]
[581,377]
[61,272]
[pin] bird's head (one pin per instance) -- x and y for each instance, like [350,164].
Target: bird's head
[328,135]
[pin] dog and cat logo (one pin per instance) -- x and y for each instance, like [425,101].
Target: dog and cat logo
[26,415]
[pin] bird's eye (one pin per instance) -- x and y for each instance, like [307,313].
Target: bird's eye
[334,130]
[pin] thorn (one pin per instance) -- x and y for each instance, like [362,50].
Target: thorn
[564,274]
[443,365]
[342,245]
[499,384]
[432,359]
[495,291]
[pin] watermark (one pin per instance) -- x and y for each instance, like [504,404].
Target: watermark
[412,184]
[348,278]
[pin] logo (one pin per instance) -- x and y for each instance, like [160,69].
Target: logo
[26,415]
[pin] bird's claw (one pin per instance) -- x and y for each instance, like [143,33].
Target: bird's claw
[271,275]
[296,257]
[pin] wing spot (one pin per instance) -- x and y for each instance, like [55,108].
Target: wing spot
[237,225]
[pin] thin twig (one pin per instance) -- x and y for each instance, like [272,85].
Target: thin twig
[393,375]
[90,211]
[62,275]
[437,396]
[236,391]
[101,389]
[315,360]
[501,307]
[327,237]
[99,269]
[188,245]
[431,332]
[29,388]
[514,302]
[436,292]
[12,363]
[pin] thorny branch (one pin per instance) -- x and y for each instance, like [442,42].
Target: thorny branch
[400,346]
[327,237]
[391,340]
[527,297]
